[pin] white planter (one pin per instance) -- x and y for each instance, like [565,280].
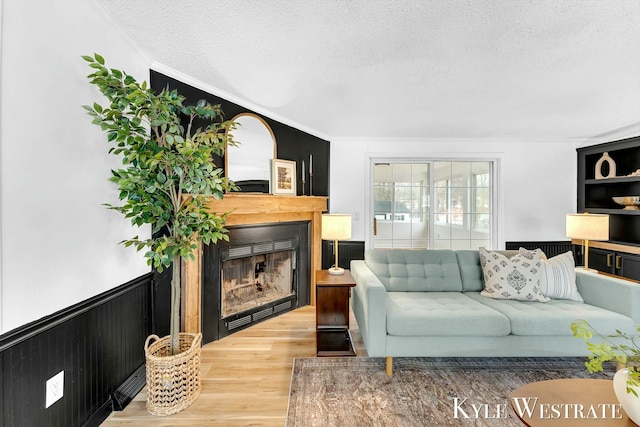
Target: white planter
[629,402]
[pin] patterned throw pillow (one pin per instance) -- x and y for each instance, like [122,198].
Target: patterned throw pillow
[558,276]
[528,252]
[515,278]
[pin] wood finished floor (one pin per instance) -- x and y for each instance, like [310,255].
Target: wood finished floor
[245,376]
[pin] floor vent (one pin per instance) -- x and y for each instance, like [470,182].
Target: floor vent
[239,322]
[129,389]
[262,314]
[281,307]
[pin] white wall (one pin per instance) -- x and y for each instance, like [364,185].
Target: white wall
[59,245]
[537,180]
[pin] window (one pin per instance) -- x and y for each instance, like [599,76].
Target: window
[460,216]
[481,202]
[401,205]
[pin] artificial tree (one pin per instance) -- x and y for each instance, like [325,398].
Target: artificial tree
[168,170]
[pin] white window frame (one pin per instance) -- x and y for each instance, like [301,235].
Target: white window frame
[497,187]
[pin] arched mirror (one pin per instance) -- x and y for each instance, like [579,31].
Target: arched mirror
[248,163]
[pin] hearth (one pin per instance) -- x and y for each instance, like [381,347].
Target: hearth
[261,272]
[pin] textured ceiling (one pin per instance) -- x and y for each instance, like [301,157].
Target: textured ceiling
[521,69]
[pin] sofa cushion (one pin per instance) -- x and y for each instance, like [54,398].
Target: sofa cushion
[405,270]
[554,317]
[516,278]
[471,270]
[442,314]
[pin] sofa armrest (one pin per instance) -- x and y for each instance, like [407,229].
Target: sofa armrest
[621,296]
[369,305]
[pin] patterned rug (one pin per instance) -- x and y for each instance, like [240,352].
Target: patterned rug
[355,392]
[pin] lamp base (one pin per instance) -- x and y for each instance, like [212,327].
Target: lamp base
[336,271]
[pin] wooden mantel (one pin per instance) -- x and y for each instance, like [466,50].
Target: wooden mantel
[253,209]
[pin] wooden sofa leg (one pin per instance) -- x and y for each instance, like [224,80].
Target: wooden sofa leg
[389,366]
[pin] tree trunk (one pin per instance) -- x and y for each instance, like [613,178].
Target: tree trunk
[175,306]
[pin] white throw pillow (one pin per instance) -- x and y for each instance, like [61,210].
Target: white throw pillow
[515,278]
[558,277]
[526,252]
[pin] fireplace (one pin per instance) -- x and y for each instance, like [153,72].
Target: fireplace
[248,214]
[261,272]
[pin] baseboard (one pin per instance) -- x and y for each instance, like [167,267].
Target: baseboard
[129,389]
[98,417]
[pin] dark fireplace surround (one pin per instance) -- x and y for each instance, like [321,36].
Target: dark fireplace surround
[250,240]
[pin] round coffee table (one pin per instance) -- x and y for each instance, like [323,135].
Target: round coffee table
[558,403]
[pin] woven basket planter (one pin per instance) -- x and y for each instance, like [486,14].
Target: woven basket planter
[173,382]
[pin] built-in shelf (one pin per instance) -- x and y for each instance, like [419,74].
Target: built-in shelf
[612,211]
[621,254]
[630,247]
[596,195]
[616,180]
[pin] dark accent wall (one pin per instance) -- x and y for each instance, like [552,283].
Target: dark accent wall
[347,251]
[98,343]
[550,248]
[293,144]
[352,249]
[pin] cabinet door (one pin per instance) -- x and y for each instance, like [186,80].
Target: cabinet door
[629,266]
[602,260]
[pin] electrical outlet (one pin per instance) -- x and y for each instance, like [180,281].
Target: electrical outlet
[54,389]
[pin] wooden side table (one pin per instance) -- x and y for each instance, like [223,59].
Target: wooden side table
[565,394]
[333,337]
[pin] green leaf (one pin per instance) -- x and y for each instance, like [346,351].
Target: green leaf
[99,58]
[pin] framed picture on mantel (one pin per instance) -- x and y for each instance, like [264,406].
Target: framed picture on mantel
[283,177]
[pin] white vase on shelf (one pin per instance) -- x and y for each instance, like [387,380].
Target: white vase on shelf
[629,402]
[612,166]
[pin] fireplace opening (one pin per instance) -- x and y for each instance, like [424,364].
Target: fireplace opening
[252,281]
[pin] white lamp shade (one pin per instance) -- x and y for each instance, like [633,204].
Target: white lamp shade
[588,226]
[336,227]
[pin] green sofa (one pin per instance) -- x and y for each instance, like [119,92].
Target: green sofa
[427,303]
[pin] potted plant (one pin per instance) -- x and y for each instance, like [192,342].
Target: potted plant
[167,175]
[621,348]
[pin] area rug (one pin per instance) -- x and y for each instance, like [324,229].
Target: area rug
[355,392]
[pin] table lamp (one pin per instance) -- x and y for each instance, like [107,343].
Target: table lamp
[336,227]
[587,227]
